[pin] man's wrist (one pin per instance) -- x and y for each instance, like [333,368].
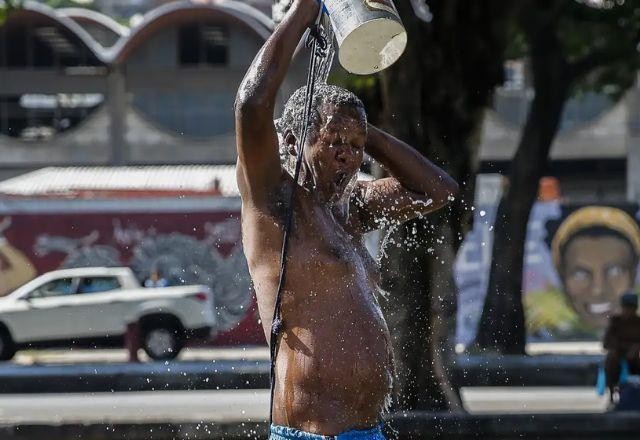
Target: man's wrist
[375,141]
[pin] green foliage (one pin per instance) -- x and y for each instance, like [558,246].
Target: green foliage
[7,7]
[518,46]
[600,43]
[69,4]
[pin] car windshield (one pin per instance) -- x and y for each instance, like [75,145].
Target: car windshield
[59,287]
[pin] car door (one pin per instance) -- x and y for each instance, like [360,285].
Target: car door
[48,312]
[98,307]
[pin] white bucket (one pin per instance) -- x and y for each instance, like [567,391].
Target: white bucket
[370,34]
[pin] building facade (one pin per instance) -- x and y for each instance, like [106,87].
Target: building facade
[80,89]
[590,154]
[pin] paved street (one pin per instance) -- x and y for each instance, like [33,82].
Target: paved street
[515,400]
[252,405]
[152,406]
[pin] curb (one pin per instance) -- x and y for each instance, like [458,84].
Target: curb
[415,425]
[540,370]
[167,376]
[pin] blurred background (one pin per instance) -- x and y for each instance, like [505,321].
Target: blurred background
[121,263]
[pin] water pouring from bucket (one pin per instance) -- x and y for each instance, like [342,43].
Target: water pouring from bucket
[369,33]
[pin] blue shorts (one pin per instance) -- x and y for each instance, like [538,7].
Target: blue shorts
[285,433]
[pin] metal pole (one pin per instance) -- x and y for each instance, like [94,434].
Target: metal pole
[633,143]
[117,104]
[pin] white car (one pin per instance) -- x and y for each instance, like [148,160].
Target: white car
[93,307]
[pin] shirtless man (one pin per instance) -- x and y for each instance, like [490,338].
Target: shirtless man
[334,363]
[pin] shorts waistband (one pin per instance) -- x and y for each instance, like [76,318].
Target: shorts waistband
[286,433]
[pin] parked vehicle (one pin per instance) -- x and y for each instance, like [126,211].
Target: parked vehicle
[93,307]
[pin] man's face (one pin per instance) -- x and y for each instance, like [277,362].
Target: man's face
[595,272]
[334,155]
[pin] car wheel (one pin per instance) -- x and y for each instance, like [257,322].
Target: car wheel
[7,347]
[162,342]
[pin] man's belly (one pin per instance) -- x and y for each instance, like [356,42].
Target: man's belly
[334,364]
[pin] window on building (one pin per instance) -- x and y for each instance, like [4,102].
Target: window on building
[189,113]
[40,116]
[203,44]
[42,45]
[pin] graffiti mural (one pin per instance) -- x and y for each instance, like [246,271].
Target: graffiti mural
[15,267]
[578,261]
[183,247]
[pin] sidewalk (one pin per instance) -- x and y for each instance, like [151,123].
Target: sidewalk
[240,406]
[98,356]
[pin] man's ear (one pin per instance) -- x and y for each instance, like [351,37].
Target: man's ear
[291,141]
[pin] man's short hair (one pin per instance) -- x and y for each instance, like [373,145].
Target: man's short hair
[293,112]
[292,115]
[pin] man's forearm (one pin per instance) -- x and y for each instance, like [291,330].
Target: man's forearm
[415,172]
[263,79]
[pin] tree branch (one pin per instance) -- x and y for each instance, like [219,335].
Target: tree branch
[601,57]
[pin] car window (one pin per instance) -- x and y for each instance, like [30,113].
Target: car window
[98,284]
[59,287]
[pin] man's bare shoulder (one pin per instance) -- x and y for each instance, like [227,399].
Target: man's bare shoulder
[263,202]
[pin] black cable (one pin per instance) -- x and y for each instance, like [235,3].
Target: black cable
[318,44]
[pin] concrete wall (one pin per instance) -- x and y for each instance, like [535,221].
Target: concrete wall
[633,145]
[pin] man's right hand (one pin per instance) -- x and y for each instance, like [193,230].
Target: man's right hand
[280,9]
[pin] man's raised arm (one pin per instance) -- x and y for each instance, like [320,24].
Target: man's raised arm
[258,170]
[416,185]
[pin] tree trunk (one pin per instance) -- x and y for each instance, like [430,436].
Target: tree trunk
[434,99]
[502,325]
[407,268]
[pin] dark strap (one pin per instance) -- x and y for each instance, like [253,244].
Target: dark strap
[318,44]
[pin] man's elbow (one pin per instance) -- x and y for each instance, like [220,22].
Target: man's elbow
[448,190]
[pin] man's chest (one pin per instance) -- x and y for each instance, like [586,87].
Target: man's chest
[319,245]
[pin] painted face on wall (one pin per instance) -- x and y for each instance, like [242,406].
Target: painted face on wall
[595,271]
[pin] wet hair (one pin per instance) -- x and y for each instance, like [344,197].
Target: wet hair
[293,112]
[599,232]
